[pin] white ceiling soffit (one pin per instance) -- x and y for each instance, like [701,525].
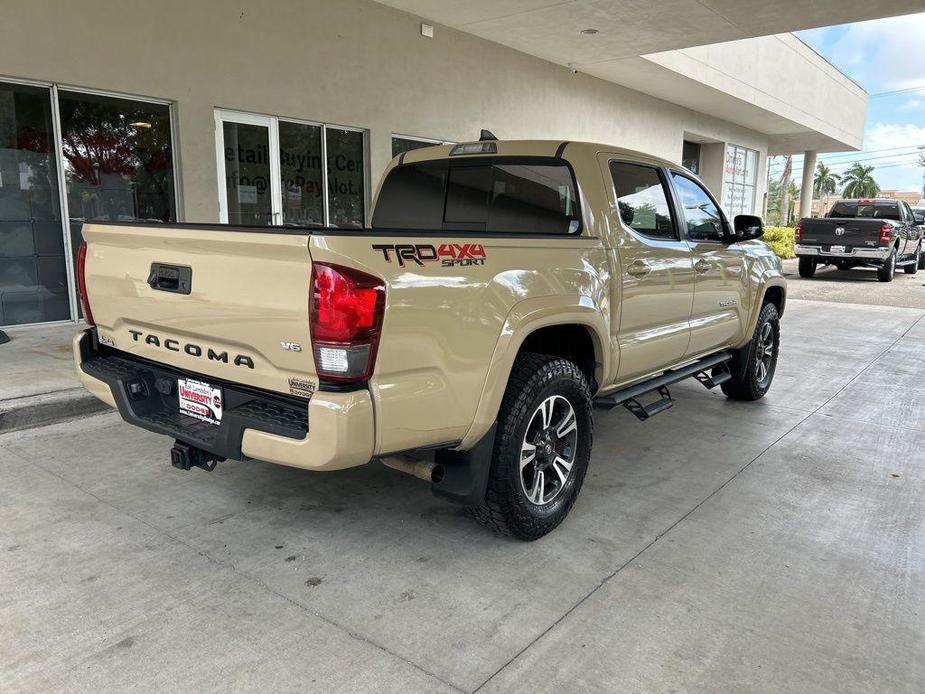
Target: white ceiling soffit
[551,30]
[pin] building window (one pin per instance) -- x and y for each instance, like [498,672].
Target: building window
[690,156]
[33,269]
[403,143]
[114,161]
[740,175]
[277,171]
[118,160]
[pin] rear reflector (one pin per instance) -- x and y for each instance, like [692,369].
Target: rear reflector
[345,318]
[798,234]
[82,283]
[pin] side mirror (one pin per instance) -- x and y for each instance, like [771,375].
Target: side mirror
[747,227]
[918,218]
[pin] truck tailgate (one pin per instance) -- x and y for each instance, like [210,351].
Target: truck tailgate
[842,232]
[242,319]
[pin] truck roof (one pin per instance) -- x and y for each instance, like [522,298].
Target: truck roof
[538,148]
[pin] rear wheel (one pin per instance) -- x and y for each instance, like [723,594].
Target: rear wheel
[914,266]
[921,257]
[888,269]
[754,364]
[542,447]
[807,267]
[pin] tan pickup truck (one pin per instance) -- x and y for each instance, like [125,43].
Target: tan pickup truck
[503,289]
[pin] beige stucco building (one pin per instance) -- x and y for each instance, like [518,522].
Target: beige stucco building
[286,112]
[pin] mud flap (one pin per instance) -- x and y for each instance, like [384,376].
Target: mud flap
[466,472]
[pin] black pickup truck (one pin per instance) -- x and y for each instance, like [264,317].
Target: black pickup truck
[880,233]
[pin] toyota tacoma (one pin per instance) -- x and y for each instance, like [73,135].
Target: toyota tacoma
[503,291]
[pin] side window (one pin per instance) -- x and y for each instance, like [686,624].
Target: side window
[704,221]
[642,200]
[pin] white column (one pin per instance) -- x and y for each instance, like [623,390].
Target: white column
[806,190]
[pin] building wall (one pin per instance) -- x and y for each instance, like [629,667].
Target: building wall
[349,62]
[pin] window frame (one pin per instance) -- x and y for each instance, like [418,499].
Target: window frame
[272,123]
[664,177]
[679,206]
[492,160]
[56,150]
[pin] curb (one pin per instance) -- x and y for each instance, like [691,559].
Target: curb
[48,408]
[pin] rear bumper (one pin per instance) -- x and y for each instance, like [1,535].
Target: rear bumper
[859,253]
[256,424]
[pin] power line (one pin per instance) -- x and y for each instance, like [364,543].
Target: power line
[898,91]
[852,162]
[858,156]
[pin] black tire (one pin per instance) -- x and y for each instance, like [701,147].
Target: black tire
[748,382]
[535,380]
[921,257]
[886,271]
[807,267]
[913,267]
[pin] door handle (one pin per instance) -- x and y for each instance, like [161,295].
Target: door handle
[638,269]
[702,266]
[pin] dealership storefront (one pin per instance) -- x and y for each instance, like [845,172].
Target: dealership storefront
[299,132]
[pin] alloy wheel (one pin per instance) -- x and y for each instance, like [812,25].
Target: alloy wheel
[548,451]
[764,354]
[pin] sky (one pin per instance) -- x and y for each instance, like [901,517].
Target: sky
[882,55]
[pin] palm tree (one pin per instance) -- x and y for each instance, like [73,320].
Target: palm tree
[825,182]
[859,183]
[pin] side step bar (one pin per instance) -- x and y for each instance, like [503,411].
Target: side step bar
[710,371]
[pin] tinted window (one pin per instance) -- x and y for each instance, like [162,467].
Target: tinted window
[346,186]
[468,195]
[642,200]
[504,197]
[412,197]
[702,216]
[845,209]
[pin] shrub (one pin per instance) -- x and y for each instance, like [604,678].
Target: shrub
[781,240]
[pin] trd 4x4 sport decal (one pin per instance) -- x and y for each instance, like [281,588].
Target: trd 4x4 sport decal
[448,254]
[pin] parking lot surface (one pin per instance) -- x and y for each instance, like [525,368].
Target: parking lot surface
[776,546]
[856,286]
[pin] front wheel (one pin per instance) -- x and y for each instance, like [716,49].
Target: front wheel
[807,267]
[754,364]
[888,269]
[542,447]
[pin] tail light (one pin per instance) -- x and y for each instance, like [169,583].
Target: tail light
[886,234]
[798,234]
[82,283]
[345,317]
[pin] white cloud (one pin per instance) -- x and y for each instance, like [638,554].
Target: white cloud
[883,54]
[881,136]
[911,105]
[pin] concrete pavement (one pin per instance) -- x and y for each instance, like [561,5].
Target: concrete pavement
[856,286]
[722,547]
[38,384]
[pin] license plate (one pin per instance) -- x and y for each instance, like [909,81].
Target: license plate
[836,249]
[200,400]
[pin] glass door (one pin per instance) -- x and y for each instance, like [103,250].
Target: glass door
[33,268]
[249,169]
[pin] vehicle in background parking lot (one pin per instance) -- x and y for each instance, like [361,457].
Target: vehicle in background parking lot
[881,233]
[502,288]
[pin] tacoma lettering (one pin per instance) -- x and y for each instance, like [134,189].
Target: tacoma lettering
[191,349]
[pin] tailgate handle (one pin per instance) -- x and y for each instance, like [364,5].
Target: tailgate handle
[171,278]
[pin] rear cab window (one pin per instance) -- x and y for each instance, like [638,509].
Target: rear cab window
[868,210]
[518,195]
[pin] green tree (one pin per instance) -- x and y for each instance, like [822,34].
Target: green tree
[859,182]
[825,182]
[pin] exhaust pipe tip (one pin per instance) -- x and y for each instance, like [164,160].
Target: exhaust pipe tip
[422,469]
